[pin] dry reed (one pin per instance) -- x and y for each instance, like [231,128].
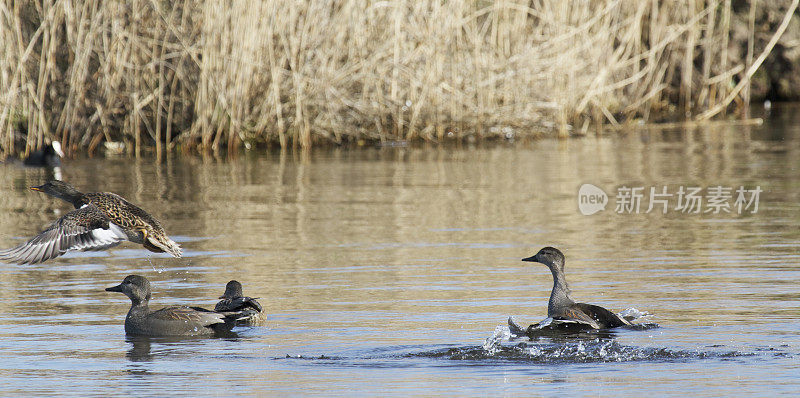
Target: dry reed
[212,74]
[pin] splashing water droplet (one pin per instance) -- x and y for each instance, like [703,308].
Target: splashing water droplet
[493,344]
[150,260]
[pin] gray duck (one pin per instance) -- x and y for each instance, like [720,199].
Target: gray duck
[169,321]
[562,308]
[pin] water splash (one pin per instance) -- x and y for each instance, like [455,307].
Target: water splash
[150,260]
[493,343]
[633,314]
[504,345]
[580,351]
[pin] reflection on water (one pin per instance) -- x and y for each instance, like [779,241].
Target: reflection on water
[386,270]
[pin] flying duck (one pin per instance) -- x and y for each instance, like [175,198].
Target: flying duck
[100,220]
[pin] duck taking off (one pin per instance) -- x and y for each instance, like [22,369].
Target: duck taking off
[100,220]
[562,307]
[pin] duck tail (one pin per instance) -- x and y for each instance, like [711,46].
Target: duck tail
[163,244]
[515,328]
[174,249]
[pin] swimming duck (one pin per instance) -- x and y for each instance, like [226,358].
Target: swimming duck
[49,156]
[562,308]
[168,321]
[100,220]
[233,300]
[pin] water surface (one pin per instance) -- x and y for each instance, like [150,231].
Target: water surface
[392,271]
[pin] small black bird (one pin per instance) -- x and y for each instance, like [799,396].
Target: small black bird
[49,156]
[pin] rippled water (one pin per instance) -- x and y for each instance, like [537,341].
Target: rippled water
[393,271]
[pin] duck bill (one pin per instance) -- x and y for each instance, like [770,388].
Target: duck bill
[37,188]
[531,259]
[117,288]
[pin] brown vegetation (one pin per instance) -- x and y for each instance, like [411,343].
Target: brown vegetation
[214,73]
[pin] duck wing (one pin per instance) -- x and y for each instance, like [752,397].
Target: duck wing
[86,228]
[238,304]
[603,318]
[550,327]
[187,315]
[243,310]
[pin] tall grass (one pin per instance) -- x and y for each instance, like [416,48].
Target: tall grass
[213,74]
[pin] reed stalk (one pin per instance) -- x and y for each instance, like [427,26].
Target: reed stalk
[204,75]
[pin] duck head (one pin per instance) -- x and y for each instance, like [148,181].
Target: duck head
[61,190]
[549,256]
[232,290]
[136,287]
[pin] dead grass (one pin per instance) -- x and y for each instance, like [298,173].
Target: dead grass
[212,74]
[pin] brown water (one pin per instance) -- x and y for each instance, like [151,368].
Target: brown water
[393,271]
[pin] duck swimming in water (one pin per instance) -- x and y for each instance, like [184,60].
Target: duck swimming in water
[100,220]
[233,300]
[168,321]
[49,156]
[561,307]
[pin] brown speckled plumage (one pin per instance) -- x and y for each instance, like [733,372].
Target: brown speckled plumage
[101,220]
[133,220]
